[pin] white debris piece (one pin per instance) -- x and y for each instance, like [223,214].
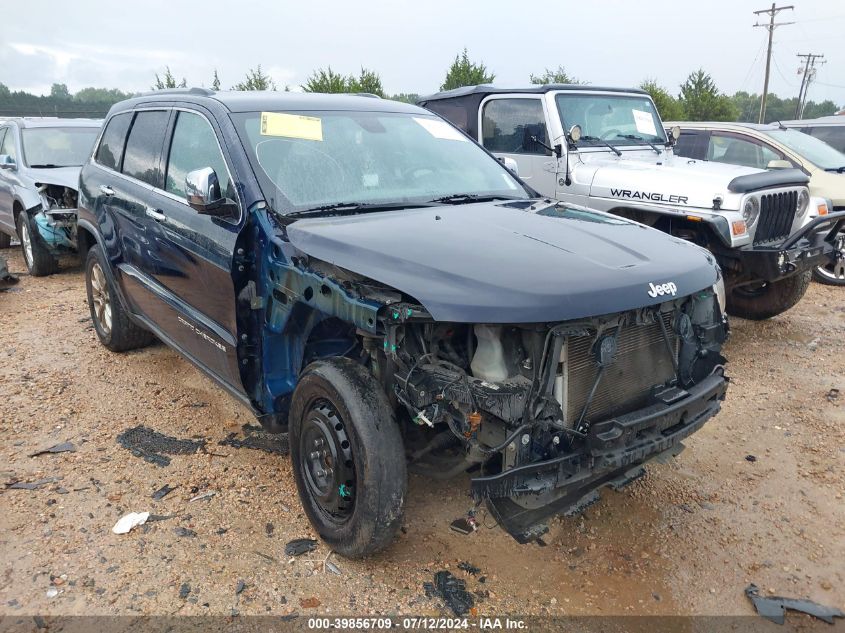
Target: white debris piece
[128,521]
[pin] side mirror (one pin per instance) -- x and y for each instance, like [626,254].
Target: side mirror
[779,164]
[675,133]
[7,162]
[510,164]
[202,191]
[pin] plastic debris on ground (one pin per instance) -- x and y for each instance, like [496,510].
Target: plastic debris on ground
[7,280]
[162,492]
[183,531]
[465,525]
[300,546]
[129,521]
[453,591]
[32,485]
[204,495]
[64,447]
[833,395]
[774,607]
[240,587]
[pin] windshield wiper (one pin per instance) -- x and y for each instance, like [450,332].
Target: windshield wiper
[46,166]
[636,137]
[838,170]
[466,198]
[355,207]
[603,142]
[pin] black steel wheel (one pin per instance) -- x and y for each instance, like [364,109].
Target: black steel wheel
[347,455]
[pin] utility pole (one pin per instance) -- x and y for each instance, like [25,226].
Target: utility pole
[771,26]
[809,75]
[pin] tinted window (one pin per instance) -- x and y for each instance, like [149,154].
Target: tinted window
[143,147]
[8,144]
[691,145]
[833,135]
[737,151]
[111,145]
[194,146]
[507,125]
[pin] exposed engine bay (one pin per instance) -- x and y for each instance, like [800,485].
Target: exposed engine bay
[543,414]
[56,216]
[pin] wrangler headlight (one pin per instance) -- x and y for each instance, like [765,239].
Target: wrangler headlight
[750,211]
[803,204]
[719,291]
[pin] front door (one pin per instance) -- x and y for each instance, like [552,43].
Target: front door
[8,177]
[515,126]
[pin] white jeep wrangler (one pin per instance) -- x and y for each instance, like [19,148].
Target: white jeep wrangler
[606,149]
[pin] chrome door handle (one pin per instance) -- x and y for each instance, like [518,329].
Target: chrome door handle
[106,190]
[156,215]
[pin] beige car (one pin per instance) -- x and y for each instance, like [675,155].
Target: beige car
[773,146]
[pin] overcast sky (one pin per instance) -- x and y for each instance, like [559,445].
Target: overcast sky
[411,44]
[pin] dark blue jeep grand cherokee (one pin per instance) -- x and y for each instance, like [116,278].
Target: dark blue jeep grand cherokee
[368,279]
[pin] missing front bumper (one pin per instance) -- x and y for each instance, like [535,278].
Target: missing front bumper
[611,455]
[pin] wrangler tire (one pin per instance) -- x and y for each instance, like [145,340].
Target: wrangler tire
[770,299]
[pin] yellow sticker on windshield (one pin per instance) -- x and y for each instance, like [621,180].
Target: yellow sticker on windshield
[291,126]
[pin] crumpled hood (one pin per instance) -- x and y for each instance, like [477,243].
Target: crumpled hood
[493,263]
[667,175]
[62,176]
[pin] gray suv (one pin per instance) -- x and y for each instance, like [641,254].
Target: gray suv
[40,160]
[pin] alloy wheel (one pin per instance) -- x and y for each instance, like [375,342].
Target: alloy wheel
[101,299]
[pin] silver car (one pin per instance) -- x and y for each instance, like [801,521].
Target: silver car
[40,160]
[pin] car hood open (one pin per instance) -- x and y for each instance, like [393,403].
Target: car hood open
[497,263]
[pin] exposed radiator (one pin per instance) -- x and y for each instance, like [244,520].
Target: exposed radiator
[642,362]
[777,212]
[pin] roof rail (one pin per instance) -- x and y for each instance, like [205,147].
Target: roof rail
[202,92]
[366,94]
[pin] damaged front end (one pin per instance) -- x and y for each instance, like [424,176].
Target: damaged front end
[55,218]
[548,413]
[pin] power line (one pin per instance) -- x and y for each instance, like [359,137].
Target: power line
[771,26]
[808,75]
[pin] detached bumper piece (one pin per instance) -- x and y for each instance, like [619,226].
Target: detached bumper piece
[817,244]
[613,454]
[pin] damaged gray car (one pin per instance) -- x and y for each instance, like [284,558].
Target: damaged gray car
[40,161]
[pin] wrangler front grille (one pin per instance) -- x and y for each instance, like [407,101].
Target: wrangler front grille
[777,212]
[642,362]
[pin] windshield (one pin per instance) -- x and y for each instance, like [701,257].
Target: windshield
[313,159]
[58,146]
[618,119]
[817,152]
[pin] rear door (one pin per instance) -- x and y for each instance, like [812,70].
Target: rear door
[188,256]
[507,127]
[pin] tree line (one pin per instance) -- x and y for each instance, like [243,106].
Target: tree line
[698,98]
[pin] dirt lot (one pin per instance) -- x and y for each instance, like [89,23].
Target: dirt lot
[756,497]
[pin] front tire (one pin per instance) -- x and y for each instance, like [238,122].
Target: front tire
[111,322]
[39,262]
[348,459]
[768,299]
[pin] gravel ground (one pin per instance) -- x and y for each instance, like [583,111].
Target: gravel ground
[756,497]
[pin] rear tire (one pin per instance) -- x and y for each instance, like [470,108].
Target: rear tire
[39,262]
[111,322]
[770,299]
[348,459]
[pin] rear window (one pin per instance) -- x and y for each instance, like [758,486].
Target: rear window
[111,145]
[143,147]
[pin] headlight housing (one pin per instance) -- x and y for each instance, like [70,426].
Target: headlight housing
[751,211]
[803,203]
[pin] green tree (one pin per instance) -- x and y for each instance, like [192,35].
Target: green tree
[559,76]
[813,110]
[406,97]
[669,108]
[169,81]
[101,96]
[215,83]
[256,79]
[327,81]
[60,92]
[702,101]
[368,81]
[463,72]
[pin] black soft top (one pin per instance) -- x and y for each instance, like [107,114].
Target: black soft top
[460,105]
